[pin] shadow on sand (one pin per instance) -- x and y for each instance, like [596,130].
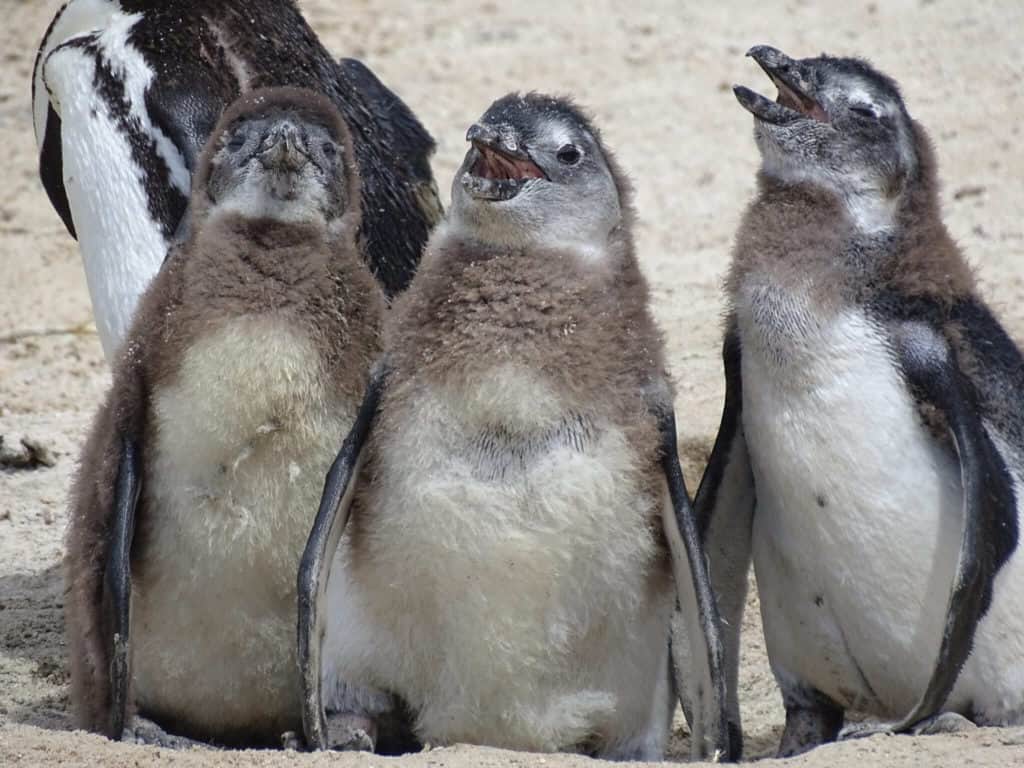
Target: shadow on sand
[33,655]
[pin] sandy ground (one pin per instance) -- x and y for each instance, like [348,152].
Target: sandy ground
[658,78]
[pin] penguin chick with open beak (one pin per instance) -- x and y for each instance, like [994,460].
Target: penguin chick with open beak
[872,442]
[521,529]
[247,359]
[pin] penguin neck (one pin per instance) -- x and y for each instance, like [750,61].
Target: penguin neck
[870,212]
[799,232]
[592,265]
[231,255]
[268,234]
[472,307]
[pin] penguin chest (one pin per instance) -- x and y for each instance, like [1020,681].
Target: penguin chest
[243,437]
[858,517]
[510,572]
[126,181]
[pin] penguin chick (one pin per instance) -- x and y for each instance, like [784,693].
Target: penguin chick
[247,359]
[508,570]
[874,417]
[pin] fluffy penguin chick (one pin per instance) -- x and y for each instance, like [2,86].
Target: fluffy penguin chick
[875,417]
[505,569]
[246,360]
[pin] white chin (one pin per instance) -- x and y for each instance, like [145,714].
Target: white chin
[287,205]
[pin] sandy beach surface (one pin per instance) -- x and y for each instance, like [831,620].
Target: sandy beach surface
[657,76]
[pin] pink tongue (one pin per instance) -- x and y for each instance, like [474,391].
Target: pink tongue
[491,165]
[789,99]
[528,170]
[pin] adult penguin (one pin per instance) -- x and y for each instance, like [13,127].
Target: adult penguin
[125,94]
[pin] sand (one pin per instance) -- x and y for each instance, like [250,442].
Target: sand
[657,76]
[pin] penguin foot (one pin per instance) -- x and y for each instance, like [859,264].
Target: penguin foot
[944,722]
[1012,737]
[864,730]
[291,740]
[811,723]
[143,731]
[348,732]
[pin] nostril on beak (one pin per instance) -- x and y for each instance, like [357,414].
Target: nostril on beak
[768,56]
[284,132]
[291,135]
[284,146]
[510,139]
[482,133]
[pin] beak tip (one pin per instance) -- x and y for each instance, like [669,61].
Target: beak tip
[766,55]
[477,131]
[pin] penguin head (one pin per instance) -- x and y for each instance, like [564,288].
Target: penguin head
[537,172]
[837,122]
[282,154]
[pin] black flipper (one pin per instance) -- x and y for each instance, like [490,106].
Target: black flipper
[724,507]
[318,557]
[406,134]
[118,578]
[51,161]
[397,220]
[51,170]
[697,658]
[932,371]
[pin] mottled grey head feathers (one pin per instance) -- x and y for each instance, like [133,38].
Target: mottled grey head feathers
[282,154]
[538,172]
[837,123]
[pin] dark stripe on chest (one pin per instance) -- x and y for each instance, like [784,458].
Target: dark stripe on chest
[165,202]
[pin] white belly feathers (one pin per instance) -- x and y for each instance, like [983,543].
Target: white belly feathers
[121,242]
[502,573]
[859,513]
[243,440]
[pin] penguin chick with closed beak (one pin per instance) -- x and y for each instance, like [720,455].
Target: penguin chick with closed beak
[871,449]
[246,361]
[521,526]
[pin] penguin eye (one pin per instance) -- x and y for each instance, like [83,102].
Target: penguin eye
[237,141]
[568,155]
[864,111]
[329,149]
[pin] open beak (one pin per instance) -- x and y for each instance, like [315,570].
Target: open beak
[498,165]
[795,100]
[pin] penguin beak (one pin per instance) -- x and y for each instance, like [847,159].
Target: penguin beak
[497,166]
[501,155]
[284,148]
[794,101]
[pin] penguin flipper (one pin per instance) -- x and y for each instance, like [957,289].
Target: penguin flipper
[118,578]
[406,135]
[930,368]
[697,655]
[318,557]
[724,506]
[51,170]
[405,148]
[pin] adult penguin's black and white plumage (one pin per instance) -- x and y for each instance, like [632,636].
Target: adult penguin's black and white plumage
[125,93]
[248,356]
[521,528]
[871,449]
